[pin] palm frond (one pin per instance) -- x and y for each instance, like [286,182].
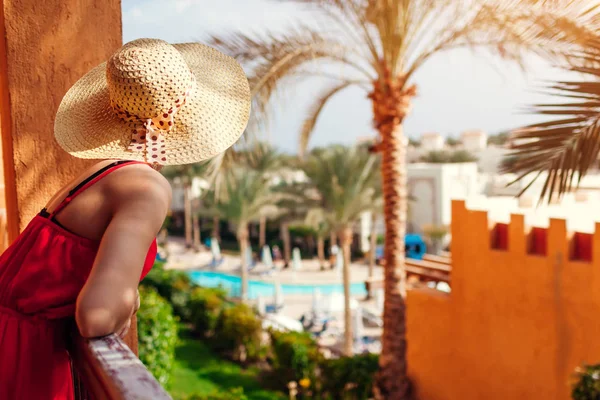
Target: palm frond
[315,111]
[352,19]
[513,28]
[344,180]
[273,59]
[566,147]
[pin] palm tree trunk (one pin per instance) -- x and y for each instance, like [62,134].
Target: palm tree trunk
[285,237]
[321,251]
[243,241]
[346,242]
[196,239]
[262,232]
[391,103]
[216,234]
[332,242]
[310,244]
[187,209]
[372,252]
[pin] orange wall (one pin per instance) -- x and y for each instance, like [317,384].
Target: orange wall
[515,326]
[45,47]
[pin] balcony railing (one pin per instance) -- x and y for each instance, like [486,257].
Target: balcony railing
[107,369]
[430,269]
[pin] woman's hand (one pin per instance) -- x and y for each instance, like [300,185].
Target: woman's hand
[125,328]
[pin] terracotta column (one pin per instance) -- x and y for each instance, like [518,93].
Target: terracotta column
[45,46]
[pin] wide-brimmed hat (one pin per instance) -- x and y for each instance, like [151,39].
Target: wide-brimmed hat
[158,103]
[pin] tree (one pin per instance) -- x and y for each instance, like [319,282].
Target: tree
[499,139]
[316,220]
[343,177]
[452,141]
[263,158]
[294,201]
[187,173]
[567,146]
[248,194]
[444,157]
[379,45]
[414,142]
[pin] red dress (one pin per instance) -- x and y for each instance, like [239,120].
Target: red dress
[41,274]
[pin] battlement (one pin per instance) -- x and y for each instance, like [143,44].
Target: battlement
[522,314]
[518,239]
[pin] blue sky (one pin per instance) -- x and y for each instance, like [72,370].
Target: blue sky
[458,90]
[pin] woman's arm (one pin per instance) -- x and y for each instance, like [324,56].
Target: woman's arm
[139,200]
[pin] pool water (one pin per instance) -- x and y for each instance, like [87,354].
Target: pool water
[232,284]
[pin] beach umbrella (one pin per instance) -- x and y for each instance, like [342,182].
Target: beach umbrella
[215,249]
[267,260]
[334,303]
[358,327]
[278,295]
[339,262]
[248,256]
[379,299]
[296,259]
[317,301]
[261,305]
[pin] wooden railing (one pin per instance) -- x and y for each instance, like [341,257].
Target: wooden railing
[107,369]
[430,269]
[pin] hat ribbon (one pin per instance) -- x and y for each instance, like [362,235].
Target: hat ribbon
[148,137]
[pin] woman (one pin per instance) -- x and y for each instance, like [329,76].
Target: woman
[151,104]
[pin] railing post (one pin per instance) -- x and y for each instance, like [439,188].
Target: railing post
[131,339]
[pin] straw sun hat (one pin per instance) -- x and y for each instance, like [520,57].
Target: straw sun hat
[158,103]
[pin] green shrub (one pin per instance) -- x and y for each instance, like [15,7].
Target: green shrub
[157,334]
[175,286]
[238,333]
[587,386]
[205,306]
[349,377]
[296,356]
[232,394]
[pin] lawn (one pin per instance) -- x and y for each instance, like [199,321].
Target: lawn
[199,370]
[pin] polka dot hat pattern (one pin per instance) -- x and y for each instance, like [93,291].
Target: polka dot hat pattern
[156,102]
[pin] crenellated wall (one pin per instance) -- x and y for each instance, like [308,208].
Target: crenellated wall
[524,312]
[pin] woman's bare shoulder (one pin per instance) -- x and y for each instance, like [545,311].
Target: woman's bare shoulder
[138,183]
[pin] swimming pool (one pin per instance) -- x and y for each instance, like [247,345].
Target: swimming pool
[233,283]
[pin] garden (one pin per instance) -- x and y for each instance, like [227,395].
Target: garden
[201,345]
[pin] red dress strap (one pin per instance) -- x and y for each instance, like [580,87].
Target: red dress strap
[89,181]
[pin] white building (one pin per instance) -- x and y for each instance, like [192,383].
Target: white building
[474,140]
[433,186]
[579,208]
[432,141]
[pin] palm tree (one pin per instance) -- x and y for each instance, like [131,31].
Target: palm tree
[568,146]
[262,157]
[315,219]
[343,178]
[248,194]
[379,45]
[187,173]
[294,202]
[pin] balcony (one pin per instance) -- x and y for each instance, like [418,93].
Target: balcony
[107,369]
